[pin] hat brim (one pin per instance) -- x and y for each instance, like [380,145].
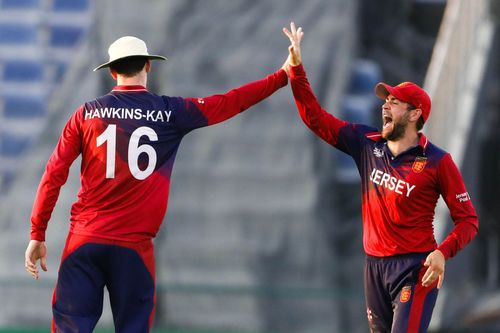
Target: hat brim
[382,90]
[149,56]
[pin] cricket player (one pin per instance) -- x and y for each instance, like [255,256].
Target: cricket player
[402,177]
[128,140]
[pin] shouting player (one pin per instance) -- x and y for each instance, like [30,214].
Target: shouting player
[128,140]
[402,177]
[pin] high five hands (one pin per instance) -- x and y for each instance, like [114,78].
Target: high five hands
[295,35]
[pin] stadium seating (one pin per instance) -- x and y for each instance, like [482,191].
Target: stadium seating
[65,36]
[13,145]
[23,70]
[37,39]
[24,107]
[358,106]
[19,4]
[13,33]
[73,5]
[365,76]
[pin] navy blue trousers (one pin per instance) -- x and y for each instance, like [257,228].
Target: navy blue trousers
[396,301]
[88,266]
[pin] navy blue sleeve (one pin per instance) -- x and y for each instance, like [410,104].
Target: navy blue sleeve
[185,115]
[351,139]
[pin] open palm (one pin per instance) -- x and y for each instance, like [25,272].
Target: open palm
[295,35]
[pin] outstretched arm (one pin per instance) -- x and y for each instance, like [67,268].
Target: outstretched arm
[322,123]
[217,108]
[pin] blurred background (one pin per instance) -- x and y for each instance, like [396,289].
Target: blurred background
[263,231]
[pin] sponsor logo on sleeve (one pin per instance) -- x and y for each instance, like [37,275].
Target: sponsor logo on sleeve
[463,197]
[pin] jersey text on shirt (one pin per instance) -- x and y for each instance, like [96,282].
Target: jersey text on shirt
[126,113]
[390,182]
[463,197]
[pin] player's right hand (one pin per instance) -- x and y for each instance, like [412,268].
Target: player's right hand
[35,251]
[295,35]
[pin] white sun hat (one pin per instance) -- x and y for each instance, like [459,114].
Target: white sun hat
[128,46]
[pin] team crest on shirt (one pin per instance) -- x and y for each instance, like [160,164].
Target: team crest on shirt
[378,152]
[405,294]
[419,164]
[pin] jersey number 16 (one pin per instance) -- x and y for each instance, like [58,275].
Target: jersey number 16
[134,150]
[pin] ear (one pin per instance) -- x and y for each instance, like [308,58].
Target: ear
[148,66]
[415,114]
[113,74]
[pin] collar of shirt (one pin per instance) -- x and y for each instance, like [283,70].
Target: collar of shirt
[130,88]
[422,142]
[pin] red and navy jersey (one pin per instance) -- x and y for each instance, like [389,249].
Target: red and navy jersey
[399,193]
[128,140]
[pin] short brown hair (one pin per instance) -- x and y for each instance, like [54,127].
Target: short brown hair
[129,66]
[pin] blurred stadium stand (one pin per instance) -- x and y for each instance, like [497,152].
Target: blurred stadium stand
[263,232]
[359,105]
[468,84]
[38,38]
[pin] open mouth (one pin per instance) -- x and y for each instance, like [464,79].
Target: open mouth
[387,121]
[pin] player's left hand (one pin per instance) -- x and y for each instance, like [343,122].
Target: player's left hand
[435,261]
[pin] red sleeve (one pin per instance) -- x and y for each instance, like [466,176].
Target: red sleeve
[461,209]
[218,108]
[56,173]
[318,120]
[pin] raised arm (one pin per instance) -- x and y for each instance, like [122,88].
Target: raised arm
[322,123]
[217,108]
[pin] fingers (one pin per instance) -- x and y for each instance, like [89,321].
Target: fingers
[435,262]
[430,276]
[426,280]
[29,264]
[43,263]
[440,280]
[287,33]
[35,251]
[294,34]
[429,280]
[31,269]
